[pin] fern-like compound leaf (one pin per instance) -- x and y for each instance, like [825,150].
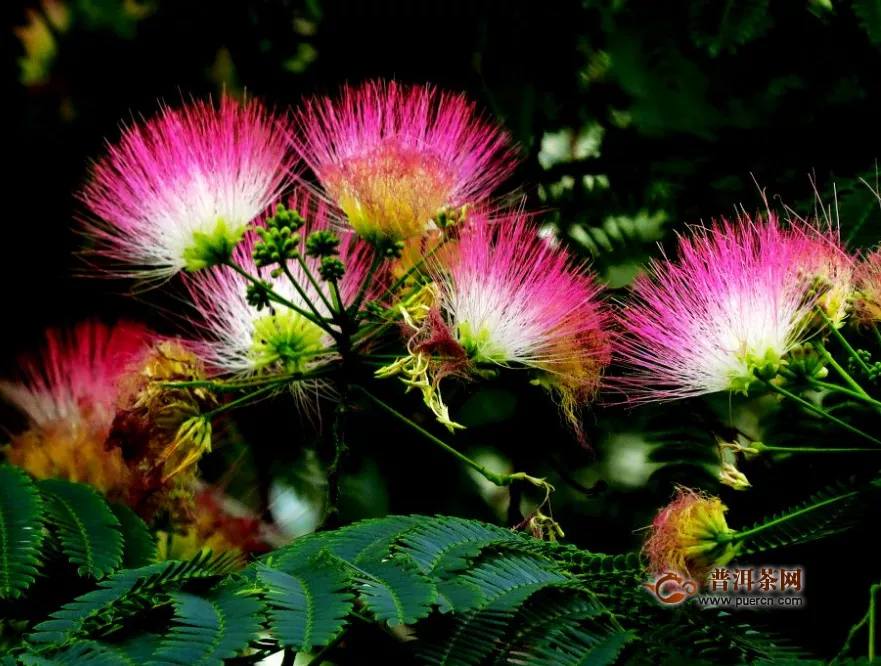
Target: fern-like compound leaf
[20,532]
[86,527]
[308,606]
[208,630]
[139,547]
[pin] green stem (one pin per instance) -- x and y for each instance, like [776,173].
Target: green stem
[362,292]
[333,471]
[844,343]
[290,657]
[758,446]
[850,634]
[396,357]
[415,267]
[873,619]
[492,477]
[840,370]
[254,382]
[370,331]
[840,389]
[877,333]
[820,412]
[241,401]
[337,299]
[304,295]
[747,534]
[273,296]
[311,277]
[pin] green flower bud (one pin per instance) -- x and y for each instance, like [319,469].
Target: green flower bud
[258,295]
[323,243]
[331,268]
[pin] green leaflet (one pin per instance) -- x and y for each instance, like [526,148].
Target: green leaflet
[122,595]
[85,653]
[86,527]
[572,646]
[446,546]
[208,630]
[395,591]
[505,583]
[823,514]
[71,620]
[308,606]
[20,531]
[139,546]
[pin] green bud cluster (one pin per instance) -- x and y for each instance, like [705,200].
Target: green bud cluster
[331,268]
[391,249]
[322,243]
[285,218]
[278,240]
[855,368]
[258,295]
[448,216]
[804,361]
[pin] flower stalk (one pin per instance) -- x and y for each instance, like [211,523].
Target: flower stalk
[500,480]
[816,410]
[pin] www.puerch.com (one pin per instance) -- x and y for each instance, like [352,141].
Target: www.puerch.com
[767,586]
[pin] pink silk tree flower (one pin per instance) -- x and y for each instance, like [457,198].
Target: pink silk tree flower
[236,338]
[77,372]
[68,393]
[504,297]
[737,300]
[391,156]
[176,192]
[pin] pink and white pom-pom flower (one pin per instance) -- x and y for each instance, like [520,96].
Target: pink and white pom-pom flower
[235,338]
[75,378]
[511,299]
[390,156]
[739,297]
[177,191]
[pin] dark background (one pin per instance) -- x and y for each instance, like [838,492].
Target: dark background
[695,102]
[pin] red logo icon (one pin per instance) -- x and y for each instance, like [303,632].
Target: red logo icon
[671,588]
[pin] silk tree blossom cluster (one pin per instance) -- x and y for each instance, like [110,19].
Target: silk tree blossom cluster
[737,299]
[75,376]
[504,297]
[391,156]
[237,337]
[176,192]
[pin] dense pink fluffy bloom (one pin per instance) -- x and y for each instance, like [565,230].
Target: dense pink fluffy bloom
[390,156]
[185,184]
[511,299]
[739,297]
[236,338]
[76,374]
